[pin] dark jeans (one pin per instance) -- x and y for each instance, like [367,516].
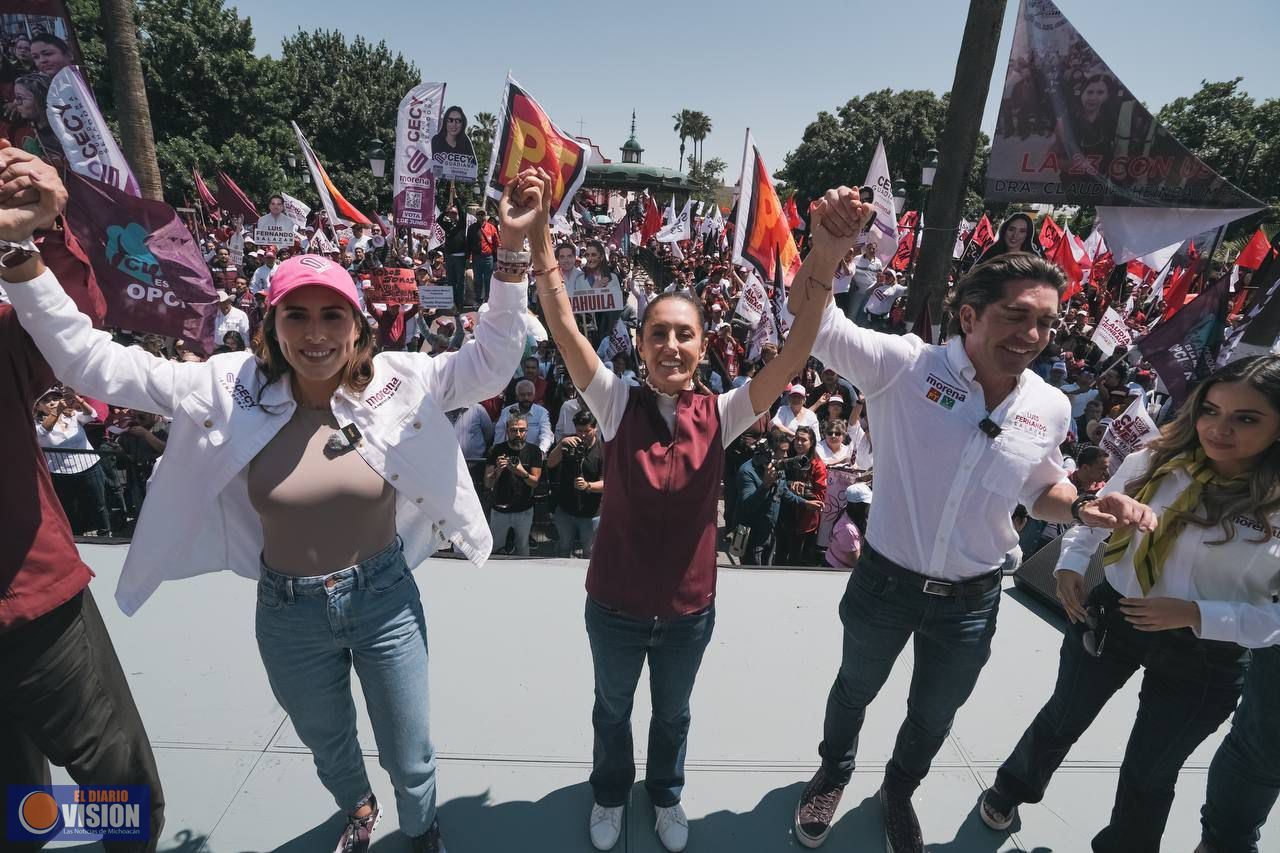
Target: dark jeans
[1188,688]
[455,271]
[619,646]
[482,269]
[64,698]
[759,548]
[1244,777]
[952,641]
[84,498]
[796,549]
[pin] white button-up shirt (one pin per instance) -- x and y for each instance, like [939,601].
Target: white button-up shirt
[945,490]
[1236,584]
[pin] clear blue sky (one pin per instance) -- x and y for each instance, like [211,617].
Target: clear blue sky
[768,65]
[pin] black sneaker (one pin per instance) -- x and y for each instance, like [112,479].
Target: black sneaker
[817,809]
[901,828]
[996,810]
[430,841]
[355,836]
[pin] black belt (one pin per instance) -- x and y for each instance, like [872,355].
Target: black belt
[930,586]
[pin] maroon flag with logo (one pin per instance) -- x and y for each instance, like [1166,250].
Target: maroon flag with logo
[145,261]
[233,200]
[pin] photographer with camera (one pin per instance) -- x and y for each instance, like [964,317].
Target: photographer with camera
[580,487]
[512,473]
[78,477]
[761,481]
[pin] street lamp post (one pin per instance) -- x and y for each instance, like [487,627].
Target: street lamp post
[899,196]
[377,159]
[928,170]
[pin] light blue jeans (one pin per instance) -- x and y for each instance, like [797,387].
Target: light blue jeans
[310,631]
[571,527]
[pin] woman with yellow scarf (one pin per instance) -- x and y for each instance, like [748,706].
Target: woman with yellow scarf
[1184,603]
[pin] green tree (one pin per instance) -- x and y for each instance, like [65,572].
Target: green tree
[481,130]
[707,177]
[837,148]
[682,120]
[1236,136]
[698,127]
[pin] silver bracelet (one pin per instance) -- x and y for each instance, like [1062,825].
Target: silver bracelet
[508,257]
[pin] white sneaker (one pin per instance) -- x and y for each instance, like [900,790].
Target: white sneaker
[606,826]
[672,827]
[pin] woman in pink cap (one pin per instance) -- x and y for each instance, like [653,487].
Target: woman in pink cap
[313,466]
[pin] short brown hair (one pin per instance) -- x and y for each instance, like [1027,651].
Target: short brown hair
[985,283]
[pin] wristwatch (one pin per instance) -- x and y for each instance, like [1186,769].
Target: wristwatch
[1086,497]
[16,254]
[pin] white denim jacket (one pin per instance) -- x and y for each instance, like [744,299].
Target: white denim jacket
[197,517]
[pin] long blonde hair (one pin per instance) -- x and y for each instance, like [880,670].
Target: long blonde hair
[1256,496]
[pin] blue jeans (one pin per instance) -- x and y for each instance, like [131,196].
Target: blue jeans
[482,270]
[1244,777]
[619,646]
[857,303]
[952,641]
[521,522]
[455,271]
[571,527]
[1189,687]
[310,631]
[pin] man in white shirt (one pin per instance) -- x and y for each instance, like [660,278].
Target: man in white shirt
[881,300]
[537,417]
[229,319]
[964,433]
[794,415]
[262,275]
[277,219]
[866,275]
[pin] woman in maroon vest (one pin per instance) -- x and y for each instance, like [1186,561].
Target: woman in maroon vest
[652,577]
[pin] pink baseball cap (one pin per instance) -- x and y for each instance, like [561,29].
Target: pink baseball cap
[305,270]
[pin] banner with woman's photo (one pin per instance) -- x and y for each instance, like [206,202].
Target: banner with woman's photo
[36,42]
[453,157]
[1069,132]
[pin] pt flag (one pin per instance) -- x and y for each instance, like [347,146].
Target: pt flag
[1050,235]
[86,141]
[761,235]
[146,262]
[1181,349]
[527,138]
[983,236]
[1255,252]
[336,208]
[414,181]
[906,240]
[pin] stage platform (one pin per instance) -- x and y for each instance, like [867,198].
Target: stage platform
[511,696]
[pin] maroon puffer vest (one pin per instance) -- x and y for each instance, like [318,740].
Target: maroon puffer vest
[655,550]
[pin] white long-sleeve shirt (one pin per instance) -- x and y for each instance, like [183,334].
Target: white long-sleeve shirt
[474,430]
[1236,585]
[945,490]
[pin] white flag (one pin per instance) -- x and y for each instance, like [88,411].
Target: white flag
[884,229]
[1131,431]
[753,302]
[86,140]
[1111,332]
[295,210]
[618,343]
[680,228]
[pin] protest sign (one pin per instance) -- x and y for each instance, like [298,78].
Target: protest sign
[752,302]
[761,235]
[435,296]
[618,343]
[839,479]
[1111,333]
[527,138]
[88,145]
[414,180]
[273,235]
[592,300]
[295,210]
[680,228]
[391,284]
[1127,433]
[453,157]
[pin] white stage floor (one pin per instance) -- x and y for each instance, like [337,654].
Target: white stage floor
[511,694]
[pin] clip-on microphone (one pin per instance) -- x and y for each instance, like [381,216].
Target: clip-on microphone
[990,427]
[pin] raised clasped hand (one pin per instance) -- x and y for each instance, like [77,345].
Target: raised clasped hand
[838,218]
[31,193]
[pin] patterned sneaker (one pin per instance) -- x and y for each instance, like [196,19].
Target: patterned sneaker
[817,809]
[901,828]
[355,837]
[430,841]
[996,810]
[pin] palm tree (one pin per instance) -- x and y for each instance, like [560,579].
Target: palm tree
[483,126]
[120,32]
[699,127]
[682,120]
